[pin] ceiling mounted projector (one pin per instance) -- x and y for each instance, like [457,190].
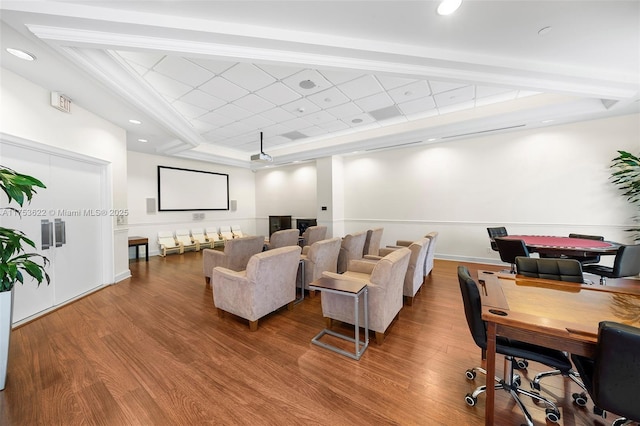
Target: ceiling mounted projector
[261,157]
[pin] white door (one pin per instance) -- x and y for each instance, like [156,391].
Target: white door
[72,205]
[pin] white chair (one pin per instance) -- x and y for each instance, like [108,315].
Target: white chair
[225,233]
[183,236]
[167,243]
[237,232]
[211,233]
[200,238]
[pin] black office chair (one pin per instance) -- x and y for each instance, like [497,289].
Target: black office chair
[510,249]
[510,349]
[590,259]
[626,264]
[569,270]
[498,231]
[613,375]
[550,269]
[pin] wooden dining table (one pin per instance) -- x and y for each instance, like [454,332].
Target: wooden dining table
[555,314]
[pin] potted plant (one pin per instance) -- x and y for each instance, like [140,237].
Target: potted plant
[15,261]
[626,176]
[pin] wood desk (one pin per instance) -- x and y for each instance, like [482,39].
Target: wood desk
[140,241]
[555,314]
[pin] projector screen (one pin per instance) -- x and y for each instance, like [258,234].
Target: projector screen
[184,189]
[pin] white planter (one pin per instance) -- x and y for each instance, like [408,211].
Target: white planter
[6,307]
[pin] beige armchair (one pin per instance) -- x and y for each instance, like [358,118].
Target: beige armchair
[235,256]
[351,249]
[183,236]
[384,280]
[428,261]
[225,233]
[372,241]
[313,234]
[415,271]
[268,283]
[283,238]
[168,242]
[319,257]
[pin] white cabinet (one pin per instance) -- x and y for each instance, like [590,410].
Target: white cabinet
[72,211]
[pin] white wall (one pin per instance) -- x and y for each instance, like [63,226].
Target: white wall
[552,180]
[143,184]
[285,191]
[26,113]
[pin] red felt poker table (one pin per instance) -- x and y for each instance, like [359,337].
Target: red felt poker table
[568,246]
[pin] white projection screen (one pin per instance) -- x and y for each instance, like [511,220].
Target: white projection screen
[184,189]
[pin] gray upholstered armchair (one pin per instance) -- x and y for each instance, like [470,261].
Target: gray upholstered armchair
[351,249]
[313,234]
[283,238]
[321,256]
[428,260]
[237,252]
[373,241]
[268,283]
[384,280]
[415,271]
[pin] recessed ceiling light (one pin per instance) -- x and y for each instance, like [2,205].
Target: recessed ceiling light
[408,93]
[142,140]
[300,110]
[21,54]
[547,121]
[431,139]
[132,121]
[327,100]
[357,120]
[307,84]
[447,7]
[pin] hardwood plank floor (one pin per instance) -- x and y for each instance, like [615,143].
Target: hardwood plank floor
[151,350]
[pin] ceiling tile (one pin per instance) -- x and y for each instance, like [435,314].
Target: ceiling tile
[334,126]
[278,94]
[223,89]
[301,107]
[184,71]
[254,103]
[248,76]
[216,119]
[339,77]
[344,110]
[144,59]
[275,129]
[215,66]
[417,105]
[484,91]
[373,102]
[319,117]
[278,114]
[258,121]
[296,124]
[456,96]
[313,131]
[188,110]
[328,98]
[442,86]
[412,91]
[361,87]
[358,120]
[279,71]
[389,82]
[233,111]
[296,82]
[456,107]
[166,86]
[203,100]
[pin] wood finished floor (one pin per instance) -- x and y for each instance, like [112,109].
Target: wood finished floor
[151,350]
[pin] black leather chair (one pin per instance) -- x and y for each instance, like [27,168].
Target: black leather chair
[626,264]
[590,259]
[510,349]
[510,249]
[550,269]
[612,377]
[498,231]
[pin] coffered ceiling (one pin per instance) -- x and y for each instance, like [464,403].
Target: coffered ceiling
[327,77]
